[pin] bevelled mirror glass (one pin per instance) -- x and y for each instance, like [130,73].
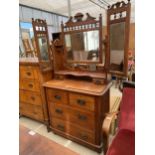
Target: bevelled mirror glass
[42,41]
[117,44]
[82,46]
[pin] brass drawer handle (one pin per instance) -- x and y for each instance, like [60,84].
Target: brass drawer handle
[82,117]
[32,98]
[57,97]
[59,111]
[83,136]
[30,85]
[81,102]
[61,127]
[28,73]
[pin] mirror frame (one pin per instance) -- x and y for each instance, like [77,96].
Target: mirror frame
[116,10]
[40,30]
[27,47]
[80,25]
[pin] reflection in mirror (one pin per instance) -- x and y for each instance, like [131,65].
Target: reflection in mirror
[83,46]
[42,41]
[26,35]
[117,44]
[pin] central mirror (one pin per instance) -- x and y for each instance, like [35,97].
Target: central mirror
[82,46]
[42,41]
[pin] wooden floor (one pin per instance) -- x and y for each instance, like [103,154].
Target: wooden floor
[38,145]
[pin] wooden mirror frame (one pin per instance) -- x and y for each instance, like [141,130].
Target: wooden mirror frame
[80,25]
[40,30]
[116,11]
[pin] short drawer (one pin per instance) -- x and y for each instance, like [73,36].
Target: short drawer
[28,72]
[31,85]
[82,101]
[30,97]
[20,84]
[57,96]
[38,113]
[31,111]
[82,134]
[57,110]
[59,124]
[84,119]
[26,109]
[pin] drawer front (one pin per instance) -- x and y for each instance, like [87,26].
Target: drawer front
[26,109]
[31,111]
[73,130]
[82,134]
[28,72]
[38,113]
[57,96]
[84,119]
[30,97]
[31,85]
[59,111]
[20,84]
[82,101]
[59,125]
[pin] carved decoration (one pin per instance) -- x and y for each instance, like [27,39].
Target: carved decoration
[81,25]
[89,17]
[70,20]
[118,5]
[78,17]
[41,21]
[57,43]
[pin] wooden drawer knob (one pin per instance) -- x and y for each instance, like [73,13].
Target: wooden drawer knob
[82,117]
[81,102]
[59,111]
[57,97]
[32,98]
[28,73]
[61,127]
[30,85]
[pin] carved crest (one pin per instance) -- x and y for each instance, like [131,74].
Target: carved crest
[79,18]
[118,5]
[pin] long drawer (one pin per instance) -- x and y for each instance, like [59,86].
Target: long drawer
[31,110]
[28,72]
[30,97]
[82,101]
[85,119]
[31,85]
[73,130]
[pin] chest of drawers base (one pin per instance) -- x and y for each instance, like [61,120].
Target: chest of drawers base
[31,93]
[77,114]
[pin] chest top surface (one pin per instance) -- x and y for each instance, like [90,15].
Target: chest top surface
[78,86]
